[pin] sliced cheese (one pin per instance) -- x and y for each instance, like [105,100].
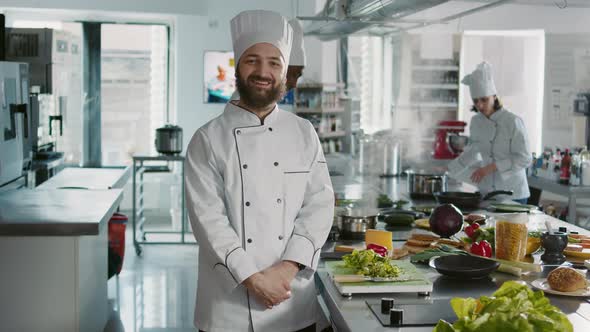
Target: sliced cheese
[382,238]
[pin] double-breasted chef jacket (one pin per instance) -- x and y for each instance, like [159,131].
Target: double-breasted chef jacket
[258,192]
[500,139]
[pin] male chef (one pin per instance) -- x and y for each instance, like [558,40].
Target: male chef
[259,195]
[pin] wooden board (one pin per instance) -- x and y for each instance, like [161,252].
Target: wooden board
[418,283]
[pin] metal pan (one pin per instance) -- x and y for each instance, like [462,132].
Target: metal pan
[465,200]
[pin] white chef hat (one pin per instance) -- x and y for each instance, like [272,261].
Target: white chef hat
[251,27]
[480,81]
[298,49]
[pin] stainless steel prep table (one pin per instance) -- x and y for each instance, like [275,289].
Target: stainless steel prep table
[54,259]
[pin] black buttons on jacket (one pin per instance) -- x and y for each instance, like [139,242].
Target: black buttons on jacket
[245,166]
[238,132]
[276,163]
[269,128]
[247,203]
[279,200]
[249,240]
[281,237]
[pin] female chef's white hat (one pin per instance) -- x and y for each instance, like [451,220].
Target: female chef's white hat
[480,81]
[298,49]
[251,27]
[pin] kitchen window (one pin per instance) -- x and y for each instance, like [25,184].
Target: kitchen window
[134,84]
[370,79]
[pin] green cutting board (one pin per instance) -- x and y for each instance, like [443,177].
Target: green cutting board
[418,283]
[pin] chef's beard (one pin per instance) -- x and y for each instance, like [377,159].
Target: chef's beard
[256,98]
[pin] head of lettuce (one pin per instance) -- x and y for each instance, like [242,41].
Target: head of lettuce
[513,307]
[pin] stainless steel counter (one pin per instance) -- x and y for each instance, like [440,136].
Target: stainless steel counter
[67,212]
[89,178]
[573,193]
[353,314]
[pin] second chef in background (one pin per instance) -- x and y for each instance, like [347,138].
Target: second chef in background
[498,152]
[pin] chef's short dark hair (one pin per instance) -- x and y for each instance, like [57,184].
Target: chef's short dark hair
[498,105]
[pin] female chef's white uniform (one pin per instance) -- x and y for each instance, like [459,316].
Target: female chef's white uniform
[497,141]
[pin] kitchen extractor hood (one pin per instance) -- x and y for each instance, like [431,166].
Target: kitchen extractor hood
[344,17]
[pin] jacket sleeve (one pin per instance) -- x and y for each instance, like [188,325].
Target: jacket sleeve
[519,153]
[315,218]
[470,156]
[207,211]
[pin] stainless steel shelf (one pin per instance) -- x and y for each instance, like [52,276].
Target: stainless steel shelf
[140,169]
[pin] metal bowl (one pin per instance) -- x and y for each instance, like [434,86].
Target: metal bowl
[458,142]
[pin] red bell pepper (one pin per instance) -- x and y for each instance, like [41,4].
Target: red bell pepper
[379,250]
[471,230]
[482,248]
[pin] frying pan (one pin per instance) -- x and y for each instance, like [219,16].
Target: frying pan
[464,267]
[465,200]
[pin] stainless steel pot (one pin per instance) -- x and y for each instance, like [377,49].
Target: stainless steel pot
[353,226]
[422,185]
[169,140]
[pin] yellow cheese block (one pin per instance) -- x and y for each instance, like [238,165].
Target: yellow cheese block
[382,238]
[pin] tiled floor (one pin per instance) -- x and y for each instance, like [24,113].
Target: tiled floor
[155,292]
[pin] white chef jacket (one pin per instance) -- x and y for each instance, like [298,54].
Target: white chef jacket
[257,193]
[501,139]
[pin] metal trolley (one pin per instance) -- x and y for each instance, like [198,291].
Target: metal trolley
[140,167]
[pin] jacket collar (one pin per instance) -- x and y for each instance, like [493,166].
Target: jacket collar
[496,115]
[241,117]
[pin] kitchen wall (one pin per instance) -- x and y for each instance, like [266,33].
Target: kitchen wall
[560,126]
[190,7]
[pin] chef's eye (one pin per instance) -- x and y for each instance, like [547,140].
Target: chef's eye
[251,61]
[275,64]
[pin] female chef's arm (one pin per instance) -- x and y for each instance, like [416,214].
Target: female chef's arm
[314,220]
[520,154]
[207,212]
[469,157]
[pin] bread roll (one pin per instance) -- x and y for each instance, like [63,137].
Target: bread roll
[566,279]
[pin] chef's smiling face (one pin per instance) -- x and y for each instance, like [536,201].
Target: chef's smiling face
[260,76]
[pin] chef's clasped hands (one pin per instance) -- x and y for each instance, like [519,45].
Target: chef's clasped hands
[272,286]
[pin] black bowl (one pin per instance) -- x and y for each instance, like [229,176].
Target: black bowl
[464,267]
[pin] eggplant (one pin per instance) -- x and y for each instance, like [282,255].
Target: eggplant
[446,220]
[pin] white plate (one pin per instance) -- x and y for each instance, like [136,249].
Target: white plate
[543,285]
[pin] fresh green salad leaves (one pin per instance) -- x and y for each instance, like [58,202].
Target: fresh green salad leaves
[370,264]
[513,307]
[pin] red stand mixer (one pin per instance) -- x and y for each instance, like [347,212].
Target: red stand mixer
[448,144]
